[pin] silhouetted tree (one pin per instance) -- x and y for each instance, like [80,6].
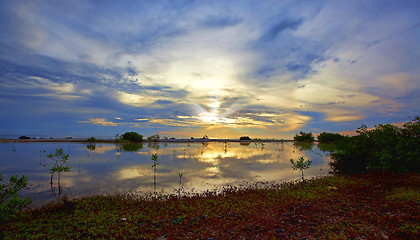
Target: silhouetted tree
[304,137]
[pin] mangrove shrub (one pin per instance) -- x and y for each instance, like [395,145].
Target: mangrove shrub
[385,147]
[304,137]
[329,137]
[132,137]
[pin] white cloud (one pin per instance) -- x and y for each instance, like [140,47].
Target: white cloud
[102,122]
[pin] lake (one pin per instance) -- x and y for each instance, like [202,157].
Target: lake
[106,168]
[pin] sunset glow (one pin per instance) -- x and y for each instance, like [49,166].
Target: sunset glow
[267,69]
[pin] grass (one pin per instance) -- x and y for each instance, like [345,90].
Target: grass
[381,205]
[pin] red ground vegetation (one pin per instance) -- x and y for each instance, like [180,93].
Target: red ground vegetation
[379,205]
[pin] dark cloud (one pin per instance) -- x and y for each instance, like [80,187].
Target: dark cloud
[266,71]
[163,102]
[297,67]
[279,27]
[215,21]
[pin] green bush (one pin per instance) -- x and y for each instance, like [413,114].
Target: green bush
[304,137]
[10,203]
[329,137]
[132,137]
[91,140]
[386,147]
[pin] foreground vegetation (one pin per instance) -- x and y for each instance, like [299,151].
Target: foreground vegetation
[377,205]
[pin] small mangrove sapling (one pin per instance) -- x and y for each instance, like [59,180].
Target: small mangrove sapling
[301,164]
[180,184]
[59,156]
[154,166]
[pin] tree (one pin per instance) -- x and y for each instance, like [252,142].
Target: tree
[304,137]
[153,138]
[301,164]
[132,137]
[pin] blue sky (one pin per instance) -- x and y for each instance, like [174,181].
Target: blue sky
[266,69]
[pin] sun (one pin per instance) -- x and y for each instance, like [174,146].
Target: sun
[209,117]
[212,114]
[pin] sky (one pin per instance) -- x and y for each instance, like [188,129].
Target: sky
[225,69]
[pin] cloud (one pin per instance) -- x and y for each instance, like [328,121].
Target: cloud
[220,21]
[102,122]
[343,117]
[227,66]
[281,26]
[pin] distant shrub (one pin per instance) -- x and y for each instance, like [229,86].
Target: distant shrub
[132,137]
[386,147]
[245,138]
[153,138]
[24,137]
[304,137]
[329,137]
[91,140]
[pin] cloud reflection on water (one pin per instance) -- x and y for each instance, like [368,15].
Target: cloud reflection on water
[110,169]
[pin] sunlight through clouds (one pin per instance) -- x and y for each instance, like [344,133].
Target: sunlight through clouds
[262,68]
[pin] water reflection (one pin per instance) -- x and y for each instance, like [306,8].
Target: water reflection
[91,146]
[110,168]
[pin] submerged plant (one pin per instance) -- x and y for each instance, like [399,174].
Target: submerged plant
[59,156]
[301,164]
[180,184]
[180,177]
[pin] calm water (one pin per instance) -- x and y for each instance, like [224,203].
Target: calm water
[109,169]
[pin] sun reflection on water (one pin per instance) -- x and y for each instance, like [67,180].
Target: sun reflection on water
[203,165]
